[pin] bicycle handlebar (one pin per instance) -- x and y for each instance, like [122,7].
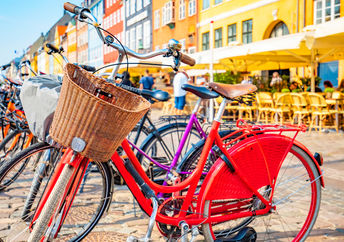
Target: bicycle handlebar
[4,67]
[53,48]
[187,59]
[85,13]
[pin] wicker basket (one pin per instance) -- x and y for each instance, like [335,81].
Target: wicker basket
[96,111]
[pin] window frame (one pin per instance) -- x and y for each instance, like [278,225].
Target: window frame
[322,10]
[234,37]
[218,43]
[192,7]
[249,33]
[203,5]
[206,44]
[157,19]
[182,9]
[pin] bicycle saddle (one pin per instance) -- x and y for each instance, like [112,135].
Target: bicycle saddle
[201,92]
[156,94]
[232,91]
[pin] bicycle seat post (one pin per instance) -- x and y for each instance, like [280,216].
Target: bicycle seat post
[197,106]
[221,109]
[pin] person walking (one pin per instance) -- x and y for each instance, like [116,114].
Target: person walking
[179,94]
[147,82]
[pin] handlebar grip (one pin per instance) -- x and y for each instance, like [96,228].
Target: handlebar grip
[88,68]
[70,7]
[187,59]
[53,48]
[4,67]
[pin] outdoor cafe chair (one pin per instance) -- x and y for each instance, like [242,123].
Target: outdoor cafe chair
[282,108]
[265,105]
[320,113]
[300,108]
[230,110]
[339,106]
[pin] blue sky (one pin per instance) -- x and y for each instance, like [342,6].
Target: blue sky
[22,22]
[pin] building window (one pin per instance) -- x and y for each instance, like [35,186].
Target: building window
[127,38]
[114,18]
[181,9]
[118,15]
[205,41]
[231,33]
[218,38]
[146,2]
[138,5]
[167,13]
[132,39]
[247,31]
[326,10]
[206,4]
[192,7]
[127,8]
[183,43]
[156,19]
[218,1]
[139,42]
[110,21]
[132,6]
[279,30]
[146,34]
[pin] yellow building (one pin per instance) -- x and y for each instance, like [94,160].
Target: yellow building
[239,22]
[58,61]
[71,50]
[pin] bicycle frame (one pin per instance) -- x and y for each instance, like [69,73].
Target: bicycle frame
[191,200]
[193,121]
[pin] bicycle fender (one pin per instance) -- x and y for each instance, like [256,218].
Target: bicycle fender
[221,183]
[305,149]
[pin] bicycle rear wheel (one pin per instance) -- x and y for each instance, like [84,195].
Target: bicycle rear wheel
[297,197]
[88,206]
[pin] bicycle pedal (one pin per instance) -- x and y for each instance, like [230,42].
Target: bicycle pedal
[247,234]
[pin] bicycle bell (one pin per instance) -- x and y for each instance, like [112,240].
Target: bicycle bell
[174,45]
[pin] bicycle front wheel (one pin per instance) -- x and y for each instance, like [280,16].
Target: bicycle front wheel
[297,197]
[91,200]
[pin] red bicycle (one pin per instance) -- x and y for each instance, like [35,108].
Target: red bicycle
[264,179]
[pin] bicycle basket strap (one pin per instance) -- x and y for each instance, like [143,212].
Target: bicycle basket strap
[96,111]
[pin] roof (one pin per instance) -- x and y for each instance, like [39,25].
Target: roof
[36,45]
[63,21]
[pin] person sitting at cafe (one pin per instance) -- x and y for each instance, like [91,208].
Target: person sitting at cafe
[328,86]
[294,87]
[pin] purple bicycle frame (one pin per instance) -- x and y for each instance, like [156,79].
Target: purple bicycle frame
[193,121]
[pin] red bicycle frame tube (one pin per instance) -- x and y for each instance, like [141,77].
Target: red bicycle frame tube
[68,158]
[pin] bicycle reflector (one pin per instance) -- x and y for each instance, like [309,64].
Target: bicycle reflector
[78,144]
[319,158]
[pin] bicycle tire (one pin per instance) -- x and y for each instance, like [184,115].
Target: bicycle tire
[153,146]
[302,228]
[5,151]
[87,222]
[8,165]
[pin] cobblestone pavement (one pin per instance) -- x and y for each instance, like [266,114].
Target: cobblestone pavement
[124,217]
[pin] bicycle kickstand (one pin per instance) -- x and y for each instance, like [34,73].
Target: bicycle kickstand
[151,223]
